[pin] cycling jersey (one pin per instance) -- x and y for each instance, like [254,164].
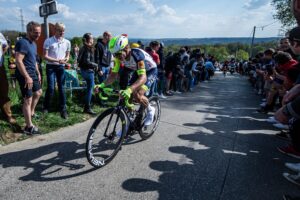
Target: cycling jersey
[136,56]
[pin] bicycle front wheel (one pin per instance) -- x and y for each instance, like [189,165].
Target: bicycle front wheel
[147,131]
[105,137]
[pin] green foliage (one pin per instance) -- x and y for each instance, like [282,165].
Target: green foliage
[220,53]
[76,40]
[284,13]
[242,55]
[224,51]
[12,35]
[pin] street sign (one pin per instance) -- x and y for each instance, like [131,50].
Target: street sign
[43,10]
[45,1]
[48,8]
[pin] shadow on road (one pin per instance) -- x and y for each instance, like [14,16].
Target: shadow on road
[237,160]
[45,163]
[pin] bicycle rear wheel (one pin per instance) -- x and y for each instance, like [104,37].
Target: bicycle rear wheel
[147,131]
[105,137]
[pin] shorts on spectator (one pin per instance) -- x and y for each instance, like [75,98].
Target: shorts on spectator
[27,93]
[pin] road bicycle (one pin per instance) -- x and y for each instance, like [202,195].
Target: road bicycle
[112,127]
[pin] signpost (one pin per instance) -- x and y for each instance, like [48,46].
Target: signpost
[48,7]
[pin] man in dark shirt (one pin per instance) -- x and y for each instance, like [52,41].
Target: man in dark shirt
[28,75]
[103,56]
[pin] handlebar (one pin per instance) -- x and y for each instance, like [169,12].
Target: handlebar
[110,92]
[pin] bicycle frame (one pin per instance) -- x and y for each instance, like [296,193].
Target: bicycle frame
[121,107]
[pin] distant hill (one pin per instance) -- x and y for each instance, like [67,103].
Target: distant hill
[199,41]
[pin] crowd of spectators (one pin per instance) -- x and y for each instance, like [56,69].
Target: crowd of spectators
[275,76]
[178,71]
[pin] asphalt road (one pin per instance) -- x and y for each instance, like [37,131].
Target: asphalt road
[211,144]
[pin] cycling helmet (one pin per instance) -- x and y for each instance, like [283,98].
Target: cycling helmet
[134,45]
[118,43]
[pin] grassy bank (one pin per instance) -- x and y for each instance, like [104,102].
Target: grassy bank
[46,122]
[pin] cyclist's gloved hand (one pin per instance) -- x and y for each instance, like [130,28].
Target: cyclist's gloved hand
[102,85]
[96,88]
[126,93]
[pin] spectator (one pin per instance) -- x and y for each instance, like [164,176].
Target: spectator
[56,53]
[161,89]
[168,72]
[210,69]
[75,53]
[142,46]
[28,75]
[103,56]
[284,45]
[290,112]
[191,69]
[152,51]
[4,99]
[88,65]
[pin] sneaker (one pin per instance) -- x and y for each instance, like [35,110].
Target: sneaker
[292,178]
[33,130]
[281,126]
[263,104]
[259,92]
[162,96]
[289,150]
[262,110]
[169,94]
[293,166]
[177,92]
[64,114]
[288,197]
[89,111]
[272,120]
[283,135]
[150,116]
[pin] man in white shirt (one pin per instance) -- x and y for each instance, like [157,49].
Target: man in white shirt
[56,53]
[4,99]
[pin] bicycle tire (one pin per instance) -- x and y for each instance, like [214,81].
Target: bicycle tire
[147,132]
[97,151]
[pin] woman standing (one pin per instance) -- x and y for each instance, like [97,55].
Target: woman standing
[87,67]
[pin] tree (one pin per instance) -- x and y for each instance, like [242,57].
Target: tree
[284,13]
[242,55]
[220,53]
[12,35]
[76,40]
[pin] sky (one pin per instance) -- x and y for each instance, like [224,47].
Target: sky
[150,18]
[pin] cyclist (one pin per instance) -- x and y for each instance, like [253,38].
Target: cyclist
[144,72]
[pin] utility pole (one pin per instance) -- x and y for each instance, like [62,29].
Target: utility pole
[22,20]
[46,27]
[252,42]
